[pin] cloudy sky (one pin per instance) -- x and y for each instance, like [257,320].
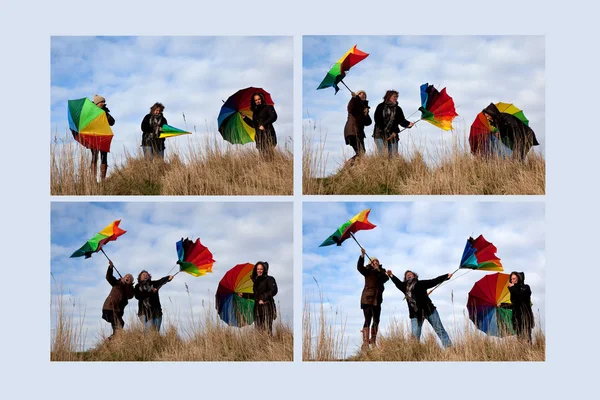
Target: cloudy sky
[234,232]
[189,75]
[476,70]
[426,237]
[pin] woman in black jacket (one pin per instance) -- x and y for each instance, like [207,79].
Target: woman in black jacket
[264,288]
[512,131]
[263,116]
[149,308]
[388,116]
[152,145]
[420,307]
[371,296]
[358,118]
[520,298]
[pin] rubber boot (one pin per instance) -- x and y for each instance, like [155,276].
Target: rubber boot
[365,335]
[94,169]
[103,169]
[373,339]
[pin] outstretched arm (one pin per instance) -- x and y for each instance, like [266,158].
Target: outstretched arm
[429,283]
[400,119]
[248,120]
[399,284]
[109,275]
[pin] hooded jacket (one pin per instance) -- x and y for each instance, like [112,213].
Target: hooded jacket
[372,293]
[520,298]
[513,132]
[148,300]
[265,115]
[119,295]
[424,305]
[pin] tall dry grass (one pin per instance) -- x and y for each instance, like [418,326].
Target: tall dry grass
[209,169]
[449,172]
[325,340]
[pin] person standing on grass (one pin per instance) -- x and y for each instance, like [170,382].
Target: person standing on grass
[358,118]
[511,131]
[152,144]
[420,307]
[146,291]
[520,299]
[371,297]
[264,288]
[114,305]
[263,116]
[388,117]
[101,103]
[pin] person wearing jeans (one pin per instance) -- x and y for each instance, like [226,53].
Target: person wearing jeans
[152,144]
[420,307]
[149,308]
[388,118]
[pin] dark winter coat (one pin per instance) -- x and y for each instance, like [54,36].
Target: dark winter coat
[520,298]
[148,136]
[265,288]
[399,120]
[111,120]
[119,294]
[424,305]
[148,300]
[372,294]
[357,120]
[513,132]
[264,115]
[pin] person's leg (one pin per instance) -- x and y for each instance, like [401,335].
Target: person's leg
[94,165]
[395,149]
[379,145]
[368,313]
[156,322]
[438,327]
[416,326]
[147,151]
[103,164]
[375,328]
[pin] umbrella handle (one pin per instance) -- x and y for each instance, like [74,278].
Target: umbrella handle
[109,260]
[342,82]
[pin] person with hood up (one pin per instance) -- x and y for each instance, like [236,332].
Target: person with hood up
[101,103]
[149,308]
[263,116]
[420,307]
[371,296]
[152,144]
[511,131]
[520,299]
[264,288]
[118,298]
[388,116]
[358,118]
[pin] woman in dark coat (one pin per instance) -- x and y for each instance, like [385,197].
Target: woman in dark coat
[263,116]
[520,298]
[114,305]
[101,102]
[263,291]
[371,297]
[512,131]
[358,118]
[149,308]
[420,307]
[388,117]
[152,145]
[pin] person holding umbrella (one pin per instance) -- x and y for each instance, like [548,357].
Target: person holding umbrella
[101,103]
[149,308]
[420,307]
[520,299]
[263,117]
[371,296]
[118,298]
[358,118]
[264,288]
[388,116]
[152,144]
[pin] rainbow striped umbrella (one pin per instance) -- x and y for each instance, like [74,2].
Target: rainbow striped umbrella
[193,257]
[109,233]
[480,254]
[168,131]
[437,108]
[233,309]
[89,125]
[231,124]
[489,305]
[357,223]
[338,72]
[481,138]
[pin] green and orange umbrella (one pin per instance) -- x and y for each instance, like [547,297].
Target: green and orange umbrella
[233,309]
[168,131]
[89,125]
[338,72]
[110,233]
[489,305]
[230,121]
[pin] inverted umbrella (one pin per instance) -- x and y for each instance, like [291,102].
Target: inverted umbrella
[168,131]
[357,223]
[337,73]
[489,305]
[193,257]
[481,137]
[110,233]
[480,254]
[231,124]
[233,309]
[437,107]
[89,125]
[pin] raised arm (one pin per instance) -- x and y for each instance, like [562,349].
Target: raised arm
[109,275]
[111,120]
[399,284]
[360,265]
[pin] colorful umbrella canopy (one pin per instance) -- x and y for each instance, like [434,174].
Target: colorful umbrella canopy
[357,223]
[233,309]
[437,108]
[480,254]
[95,244]
[489,305]
[89,125]
[231,125]
[170,131]
[481,136]
[339,69]
[193,257]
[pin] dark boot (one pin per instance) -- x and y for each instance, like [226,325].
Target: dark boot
[373,339]
[103,168]
[365,336]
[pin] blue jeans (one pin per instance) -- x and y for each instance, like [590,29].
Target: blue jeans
[391,147]
[150,152]
[436,323]
[151,323]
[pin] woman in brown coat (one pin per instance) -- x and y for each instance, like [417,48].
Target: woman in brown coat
[372,296]
[358,118]
[114,305]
